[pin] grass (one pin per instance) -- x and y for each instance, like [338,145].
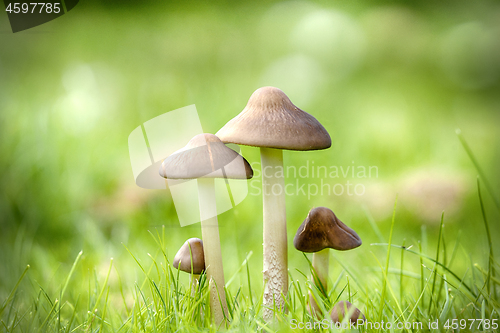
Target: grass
[73,89]
[429,292]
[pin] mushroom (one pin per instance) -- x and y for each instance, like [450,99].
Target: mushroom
[320,231]
[204,158]
[271,121]
[342,308]
[190,259]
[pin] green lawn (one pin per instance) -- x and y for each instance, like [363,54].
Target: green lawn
[391,82]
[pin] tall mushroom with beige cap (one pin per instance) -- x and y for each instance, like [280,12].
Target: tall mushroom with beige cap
[204,158]
[320,231]
[271,121]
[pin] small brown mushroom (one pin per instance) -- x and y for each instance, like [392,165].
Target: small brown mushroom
[342,308]
[190,257]
[320,231]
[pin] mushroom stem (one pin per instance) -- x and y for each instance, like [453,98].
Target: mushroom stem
[320,264]
[275,244]
[212,250]
[195,278]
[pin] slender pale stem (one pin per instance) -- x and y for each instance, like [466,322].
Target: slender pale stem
[212,250]
[195,278]
[320,264]
[275,241]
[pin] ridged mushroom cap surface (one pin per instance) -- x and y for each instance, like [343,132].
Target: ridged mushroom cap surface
[271,120]
[182,259]
[205,156]
[322,229]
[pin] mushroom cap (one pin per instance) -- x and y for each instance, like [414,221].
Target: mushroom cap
[322,229]
[182,259]
[339,311]
[271,120]
[205,156]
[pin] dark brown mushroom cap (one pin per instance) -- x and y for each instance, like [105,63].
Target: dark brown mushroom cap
[205,156]
[339,311]
[182,259]
[271,120]
[322,229]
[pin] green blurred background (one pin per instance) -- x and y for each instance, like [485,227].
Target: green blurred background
[390,81]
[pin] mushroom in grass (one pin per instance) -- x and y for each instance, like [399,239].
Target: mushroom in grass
[320,231]
[190,259]
[271,121]
[343,308]
[204,158]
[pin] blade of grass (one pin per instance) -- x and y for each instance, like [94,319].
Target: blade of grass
[373,224]
[485,274]
[447,303]
[70,274]
[456,287]
[421,297]
[422,277]
[120,287]
[455,248]
[384,283]
[19,321]
[249,255]
[491,266]
[396,271]
[73,315]
[13,291]
[40,329]
[249,285]
[478,168]
[401,274]
[348,289]
[103,286]
[393,294]
[431,298]
[12,309]
[445,259]
[437,263]
[104,311]
[302,298]
[161,298]
[314,276]
[361,286]
[339,278]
